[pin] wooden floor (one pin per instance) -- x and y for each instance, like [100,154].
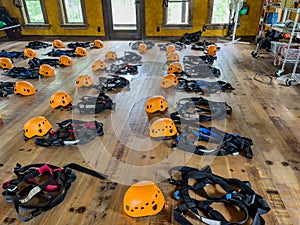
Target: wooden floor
[268,114]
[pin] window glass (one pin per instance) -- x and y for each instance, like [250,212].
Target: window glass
[177,13]
[35,12]
[220,12]
[73,10]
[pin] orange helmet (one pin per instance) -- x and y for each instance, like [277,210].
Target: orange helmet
[46,70]
[58,44]
[142,48]
[212,50]
[170,48]
[29,53]
[37,126]
[60,99]
[156,103]
[143,199]
[80,51]
[84,81]
[168,81]
[98,65]
[175,67]
[65,60]
[6,63]
[24,88]
[98,44]
[163,127]
[111,55]
[172,56]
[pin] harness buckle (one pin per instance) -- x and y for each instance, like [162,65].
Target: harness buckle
[12,188]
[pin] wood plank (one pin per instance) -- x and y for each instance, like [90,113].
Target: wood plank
[268,114]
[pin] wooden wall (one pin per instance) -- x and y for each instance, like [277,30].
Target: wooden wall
[153,18]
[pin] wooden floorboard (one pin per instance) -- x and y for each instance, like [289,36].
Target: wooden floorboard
[268,114]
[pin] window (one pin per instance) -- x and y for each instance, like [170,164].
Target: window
[72,12]
[178,14]
[33,12]
[219,14]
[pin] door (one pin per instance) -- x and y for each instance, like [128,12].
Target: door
[123,19]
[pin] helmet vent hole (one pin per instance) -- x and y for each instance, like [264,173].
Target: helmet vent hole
[127,207]
[136,207]
[154,207]
[142,208]
[39,125]
[156,196]
[40,131]
[153,202]
[132,210]
[147,203]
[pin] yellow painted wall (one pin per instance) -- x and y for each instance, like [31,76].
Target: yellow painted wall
[153,18]
[154,11]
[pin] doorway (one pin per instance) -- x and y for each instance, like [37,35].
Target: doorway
[123,19]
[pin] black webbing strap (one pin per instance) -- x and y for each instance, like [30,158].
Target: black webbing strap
[6,88]
[76,44]
[58,53]
[22,73]
[93,104]
[111,83]
[12,54]
[192,109]
[36,62]
[227,143]
[72,132]
[251,204]
[37,45]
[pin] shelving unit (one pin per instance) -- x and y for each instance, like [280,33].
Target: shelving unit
[292,32]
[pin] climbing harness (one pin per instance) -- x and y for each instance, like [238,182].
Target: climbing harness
[135,45]
[124,69]
[58,53]
[202,86]
[130,57]
[36,62]
[235,194]
[199,109]
[37,45]
[76,44]
[72,132]
[93,104]
[194,59]
[22,73]
[227,143]
[202,46]
[6,88]
[111,83]
[40,187]
[189,38]
[201,70]
[179,46]
[12,54]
